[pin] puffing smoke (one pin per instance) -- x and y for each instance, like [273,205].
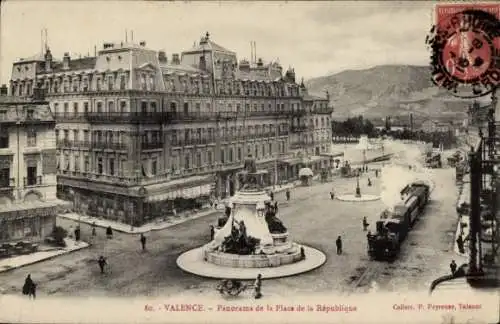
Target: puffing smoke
[397,175]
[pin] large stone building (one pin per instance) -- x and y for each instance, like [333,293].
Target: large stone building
[138,134]
[27,168]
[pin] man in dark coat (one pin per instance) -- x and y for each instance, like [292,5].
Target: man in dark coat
[288,195]
[77,233]
[460,244]
[94,233]
[143,242]
[332,195]
[453,267]
[365,224]
[102,262]
[376,173]
[109,232]
[212,232]
[271,194]
[29,287]
[338,242]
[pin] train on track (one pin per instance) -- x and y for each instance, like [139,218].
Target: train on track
[394,225]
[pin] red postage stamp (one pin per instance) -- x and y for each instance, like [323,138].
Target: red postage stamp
[465,45]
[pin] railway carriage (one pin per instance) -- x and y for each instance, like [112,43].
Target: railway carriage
[394,225]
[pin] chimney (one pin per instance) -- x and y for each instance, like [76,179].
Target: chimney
[3,90]
[162,57]
[66,60]
[48,61]
[175,59]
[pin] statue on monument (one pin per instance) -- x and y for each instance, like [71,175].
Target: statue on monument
[250,180]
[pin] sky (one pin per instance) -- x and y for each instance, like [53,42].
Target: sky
[315,38]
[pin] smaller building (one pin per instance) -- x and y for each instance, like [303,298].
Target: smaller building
[28,204]
[431,126]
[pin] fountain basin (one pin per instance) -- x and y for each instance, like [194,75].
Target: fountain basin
[354,198]
[253,261]
[193,262]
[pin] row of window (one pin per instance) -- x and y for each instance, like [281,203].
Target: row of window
[31,178]
[186,84]
[30,138]
[114,167]
[120,106]
[155,136]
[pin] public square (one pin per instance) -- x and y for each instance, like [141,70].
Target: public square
[312,219]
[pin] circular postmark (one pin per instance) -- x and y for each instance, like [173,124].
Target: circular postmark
[465,53]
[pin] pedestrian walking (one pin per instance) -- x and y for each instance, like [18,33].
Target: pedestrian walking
[288,195]
[338,242]
[302,253]
[109,232]
[258,287]
[77,233]
[212,232]
[369,182]
[271,194]
[332,195]
[453,267]
[143,242]
[94,233]
[376,173]
[102,263]
[29,287]
[460,244]
[365,224]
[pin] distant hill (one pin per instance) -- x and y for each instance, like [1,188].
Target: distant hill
[387,90]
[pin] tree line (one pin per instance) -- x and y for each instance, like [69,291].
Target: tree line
[352,128]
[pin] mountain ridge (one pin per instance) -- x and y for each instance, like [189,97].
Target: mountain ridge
[390,89]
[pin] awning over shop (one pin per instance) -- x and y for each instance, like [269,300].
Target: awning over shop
[333,154]
[191,187]
[292,161]
[30,209]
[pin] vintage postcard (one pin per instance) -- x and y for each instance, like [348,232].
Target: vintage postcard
[249,162]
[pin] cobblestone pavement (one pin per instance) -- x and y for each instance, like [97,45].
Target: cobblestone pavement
[311,216]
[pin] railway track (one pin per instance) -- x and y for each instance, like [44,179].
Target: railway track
[364,282]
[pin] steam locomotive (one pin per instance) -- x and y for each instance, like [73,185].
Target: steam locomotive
[394,225]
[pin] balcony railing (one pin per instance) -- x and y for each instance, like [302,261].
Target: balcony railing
[32,181]
[165,117]
[92,145]
[106,145]
[298,128]
[193,141]
[328,110]
[298,113]
[151,145]
[6,184]
[70,117]
[72,144]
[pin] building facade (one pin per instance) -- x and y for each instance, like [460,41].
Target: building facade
[431,126]
[139,134]
[27,168]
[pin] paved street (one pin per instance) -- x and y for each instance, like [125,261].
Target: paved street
[311,217]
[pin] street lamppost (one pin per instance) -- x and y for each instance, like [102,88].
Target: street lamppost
[358,190]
